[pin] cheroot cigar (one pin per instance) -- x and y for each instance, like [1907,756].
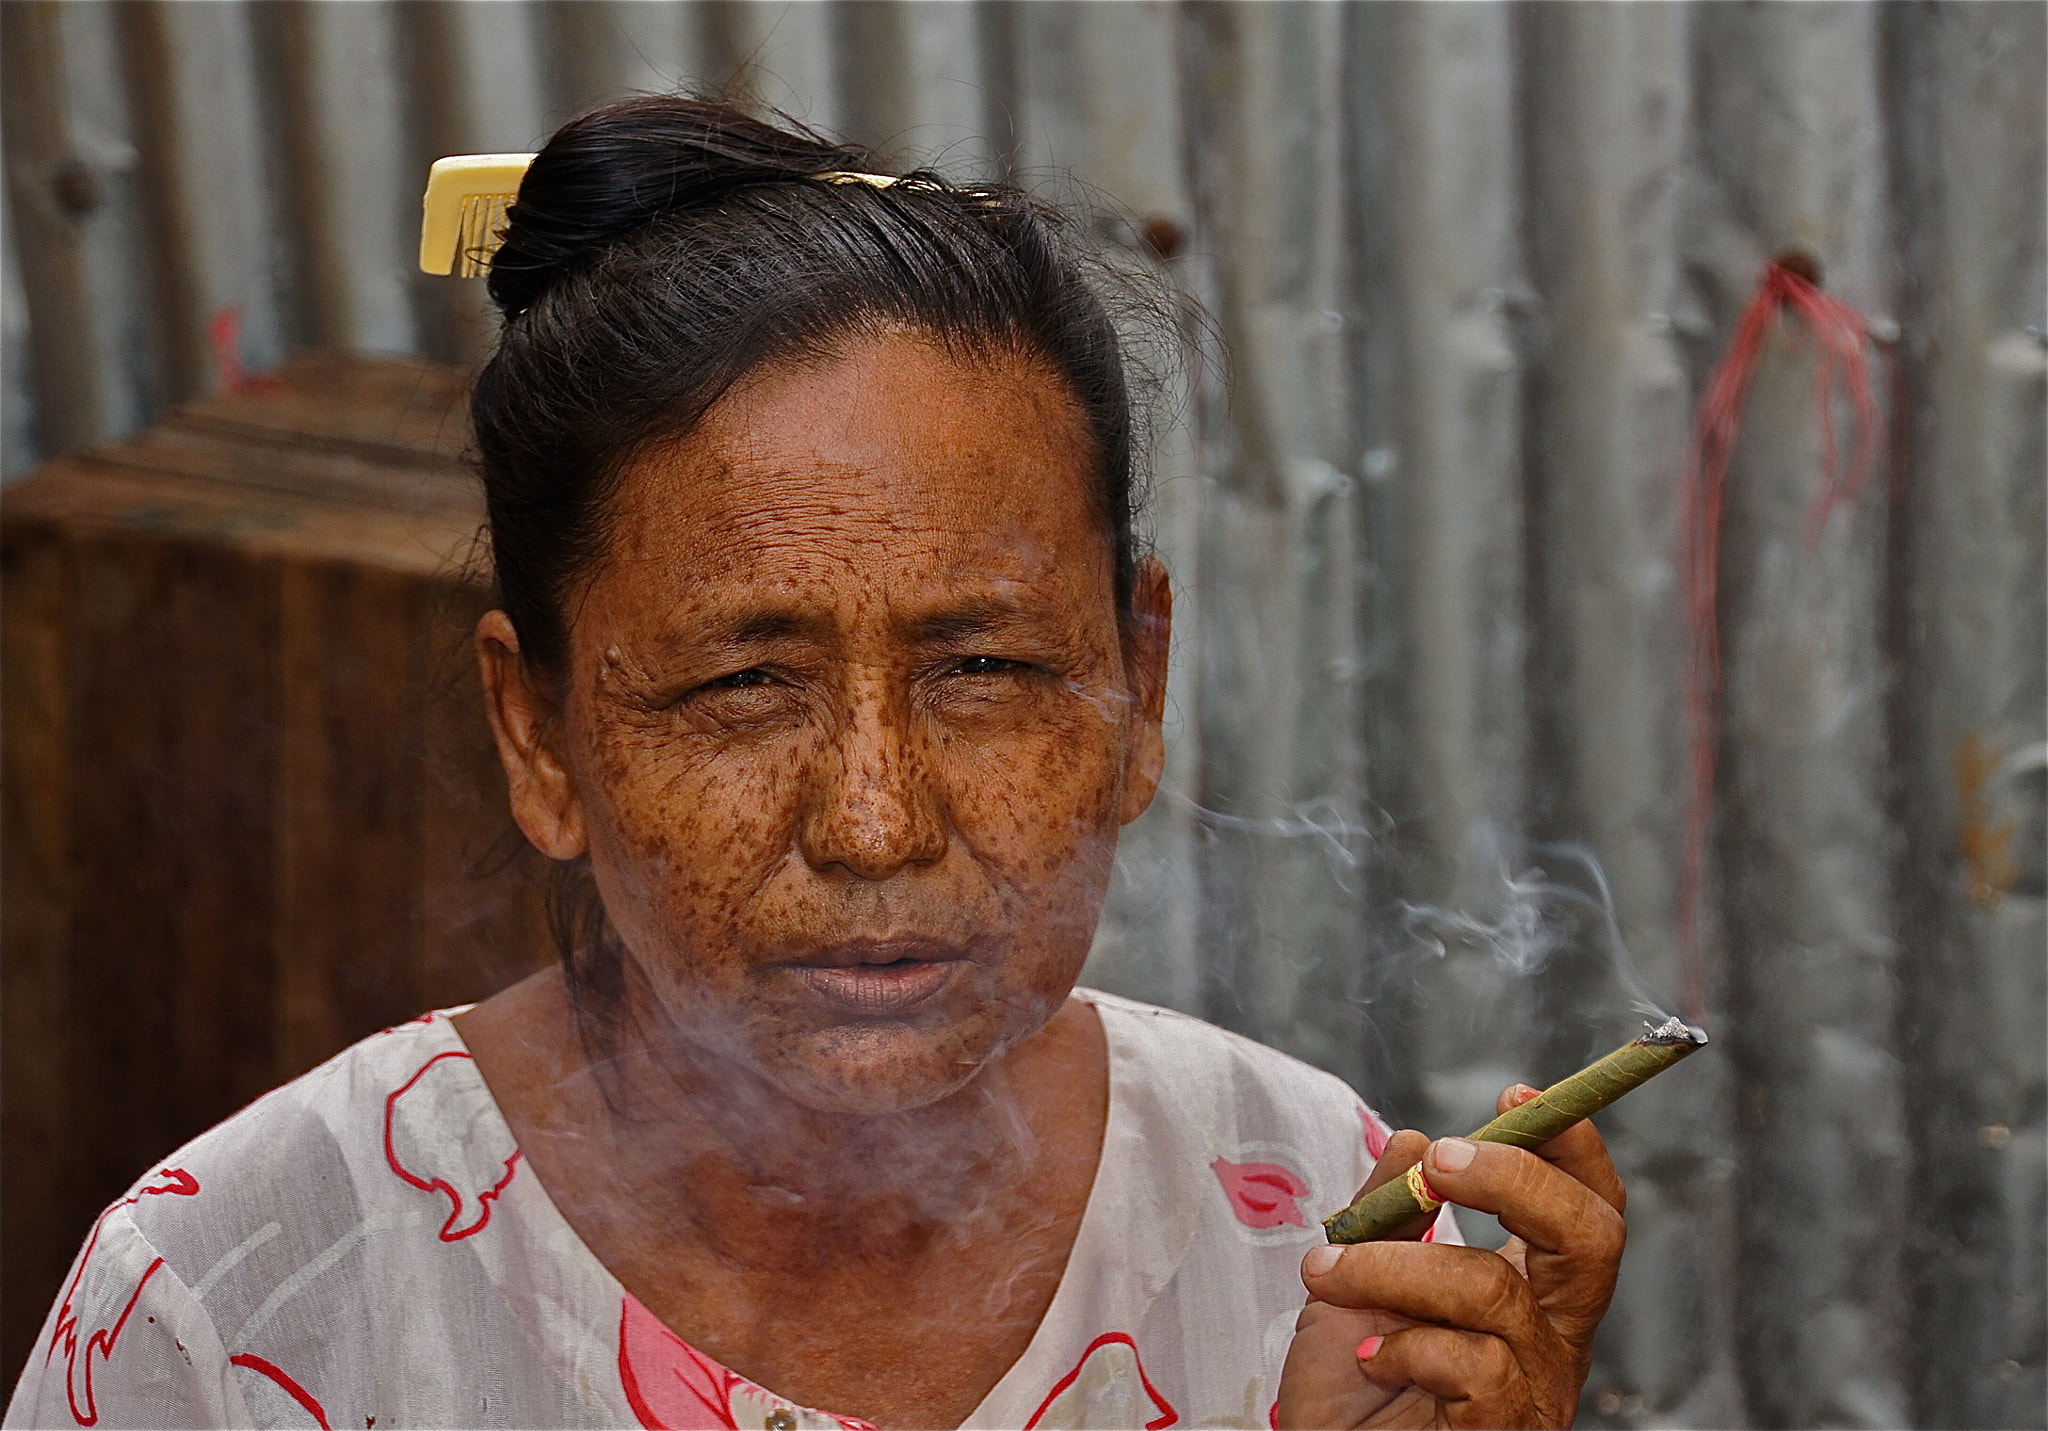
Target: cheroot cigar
[1394,1204]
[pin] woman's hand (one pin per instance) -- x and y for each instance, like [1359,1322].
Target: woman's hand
[1402,1333]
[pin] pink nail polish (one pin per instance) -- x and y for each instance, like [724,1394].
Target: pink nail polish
[1369,1348]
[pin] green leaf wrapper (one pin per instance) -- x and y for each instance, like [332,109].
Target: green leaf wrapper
[1393,1205]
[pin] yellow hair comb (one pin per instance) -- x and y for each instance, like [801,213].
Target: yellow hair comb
[462,218]
[462,221]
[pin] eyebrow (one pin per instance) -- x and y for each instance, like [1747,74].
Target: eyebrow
[765,625]
[963,622]
[755,626]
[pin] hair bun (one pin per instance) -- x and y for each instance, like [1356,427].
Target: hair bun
[616,169]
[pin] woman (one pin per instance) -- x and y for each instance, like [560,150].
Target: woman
[828,665]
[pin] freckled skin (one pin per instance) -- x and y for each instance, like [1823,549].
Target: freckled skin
[848,674]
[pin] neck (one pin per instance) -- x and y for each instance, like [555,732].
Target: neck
[711,1145]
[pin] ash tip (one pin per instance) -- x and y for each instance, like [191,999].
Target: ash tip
[1673,1030]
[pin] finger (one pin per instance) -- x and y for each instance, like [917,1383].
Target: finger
[1513,1096]
[1320,1384]
[1465,1287]
[1353,1323]
[1582,1153]
[1535,1199]
[1579,1150]
[1403,1151]
[1452,1365]
[1574,1237]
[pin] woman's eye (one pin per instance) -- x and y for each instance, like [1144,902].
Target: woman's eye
[986,666]
[756,699]
[753,676]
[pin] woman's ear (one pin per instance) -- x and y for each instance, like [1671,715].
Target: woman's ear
[523,722]
[1145,653]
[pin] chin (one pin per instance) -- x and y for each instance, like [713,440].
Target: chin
[871,1070]
[818,1055]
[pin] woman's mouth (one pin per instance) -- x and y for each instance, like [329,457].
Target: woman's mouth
[880,981]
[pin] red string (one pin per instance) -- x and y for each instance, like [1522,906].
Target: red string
[224,337]
[1840,334]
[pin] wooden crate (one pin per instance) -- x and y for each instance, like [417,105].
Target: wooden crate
[251,808]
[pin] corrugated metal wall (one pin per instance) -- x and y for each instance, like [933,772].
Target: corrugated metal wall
[1471,265]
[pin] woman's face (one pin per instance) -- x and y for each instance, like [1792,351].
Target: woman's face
[849,725]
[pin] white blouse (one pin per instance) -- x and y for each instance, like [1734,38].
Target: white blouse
[364,1248]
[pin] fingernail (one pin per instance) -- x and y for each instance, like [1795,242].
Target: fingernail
[1320,1260]
[1521,1093]
[1452,1155]
[1369,1348]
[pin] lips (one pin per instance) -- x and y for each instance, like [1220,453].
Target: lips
[880,979]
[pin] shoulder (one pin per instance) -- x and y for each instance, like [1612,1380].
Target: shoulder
[212,1240]
[1275,1135]
[1178,1071]
[351,1245]
[127,1343]
[1179,1046]
[299,1164]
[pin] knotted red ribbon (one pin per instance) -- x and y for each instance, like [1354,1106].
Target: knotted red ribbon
[1840,333]
[224,338]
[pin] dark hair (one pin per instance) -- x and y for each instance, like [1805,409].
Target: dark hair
[659,250]
[662,248]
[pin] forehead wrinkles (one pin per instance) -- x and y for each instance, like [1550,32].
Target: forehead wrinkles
[893,462]
[786,531]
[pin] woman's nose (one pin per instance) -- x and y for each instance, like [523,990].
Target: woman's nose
[874,807]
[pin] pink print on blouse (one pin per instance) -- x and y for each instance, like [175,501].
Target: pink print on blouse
[1262,1194]
[291,1388]
[1377,1136]
[674,1387]
[471,1176]
[77,1369]
[1377,1133]
[1115,1357]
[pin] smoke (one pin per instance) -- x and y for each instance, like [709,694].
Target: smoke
[1521,905]
[1345,841]
[1325,927]
[1525,917]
